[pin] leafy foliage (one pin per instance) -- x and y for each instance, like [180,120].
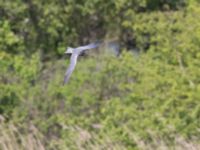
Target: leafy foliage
[48,26]
[122,102]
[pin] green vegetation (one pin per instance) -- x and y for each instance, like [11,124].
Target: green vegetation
[150,101]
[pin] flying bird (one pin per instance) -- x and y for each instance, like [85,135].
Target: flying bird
[75,52]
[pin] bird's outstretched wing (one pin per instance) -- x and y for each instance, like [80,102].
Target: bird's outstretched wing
[90,46]
[74,56]
[71,67]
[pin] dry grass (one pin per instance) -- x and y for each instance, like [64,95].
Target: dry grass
[14,137]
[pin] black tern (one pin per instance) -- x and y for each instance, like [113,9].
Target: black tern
[75,52]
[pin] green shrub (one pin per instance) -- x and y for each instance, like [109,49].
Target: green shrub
[125,102]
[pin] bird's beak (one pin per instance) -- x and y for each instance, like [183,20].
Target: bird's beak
[67,53]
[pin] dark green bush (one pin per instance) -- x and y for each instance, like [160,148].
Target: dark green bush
[121,102]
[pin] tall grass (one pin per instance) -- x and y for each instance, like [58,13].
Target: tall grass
[14,137]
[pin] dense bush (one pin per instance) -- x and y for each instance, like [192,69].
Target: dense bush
[109,97]
[130,101]
[48,26]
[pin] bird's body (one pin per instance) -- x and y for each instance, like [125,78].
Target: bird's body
[75,52]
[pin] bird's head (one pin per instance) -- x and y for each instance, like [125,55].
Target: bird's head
[69,50]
